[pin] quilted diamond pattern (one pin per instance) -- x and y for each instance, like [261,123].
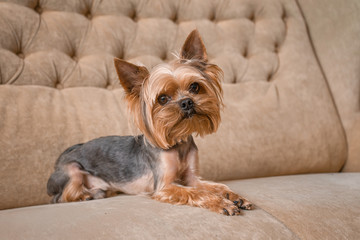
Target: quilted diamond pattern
[68,43]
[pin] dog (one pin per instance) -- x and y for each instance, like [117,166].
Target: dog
[169,104]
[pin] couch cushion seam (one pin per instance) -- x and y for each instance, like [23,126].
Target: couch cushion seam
[278,220]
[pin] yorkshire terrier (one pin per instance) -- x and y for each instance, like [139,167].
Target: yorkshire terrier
[168,105]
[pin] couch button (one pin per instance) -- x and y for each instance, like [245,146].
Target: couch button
[89,15]
[39,9]
[133,16]
[21,55]
[59,86]
[252,17]
[284,16]
[276,48]
[174,18]
[245,53]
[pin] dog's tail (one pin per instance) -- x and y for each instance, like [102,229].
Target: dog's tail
[59,179]
[56,184]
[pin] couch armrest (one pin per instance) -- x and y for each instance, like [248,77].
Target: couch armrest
[335,30]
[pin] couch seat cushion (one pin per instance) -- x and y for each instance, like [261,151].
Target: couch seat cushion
[314,206]
[320,206]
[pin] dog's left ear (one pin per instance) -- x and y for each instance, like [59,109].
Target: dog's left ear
[194,47]
[131,76]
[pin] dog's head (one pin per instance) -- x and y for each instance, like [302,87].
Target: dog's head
[175,99]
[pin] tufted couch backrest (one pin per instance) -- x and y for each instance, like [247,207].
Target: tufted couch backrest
[59,86]
[64,44]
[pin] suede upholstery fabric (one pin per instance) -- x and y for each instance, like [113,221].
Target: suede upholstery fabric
[317,206]
[289,207]
[59,86]
[334,29]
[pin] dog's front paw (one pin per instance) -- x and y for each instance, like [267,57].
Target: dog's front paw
[228,208]
[239,201]
[243,204]
[220,205]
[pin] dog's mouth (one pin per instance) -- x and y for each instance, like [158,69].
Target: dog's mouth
[189,122]
[185,116]
[188,114]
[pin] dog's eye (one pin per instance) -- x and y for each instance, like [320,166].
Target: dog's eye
[163,99]
[194,88]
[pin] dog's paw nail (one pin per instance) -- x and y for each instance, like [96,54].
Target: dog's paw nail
[248,206]
[236,203]
[226,212]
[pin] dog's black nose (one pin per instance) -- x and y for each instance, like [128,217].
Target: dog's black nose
[186,104]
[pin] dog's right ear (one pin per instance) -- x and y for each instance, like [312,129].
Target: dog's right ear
[194,47]
[131,76]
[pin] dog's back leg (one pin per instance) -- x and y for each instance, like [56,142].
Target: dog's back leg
[56,184]
[67,184]
[70,183]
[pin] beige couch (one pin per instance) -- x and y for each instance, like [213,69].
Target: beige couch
[291,126]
